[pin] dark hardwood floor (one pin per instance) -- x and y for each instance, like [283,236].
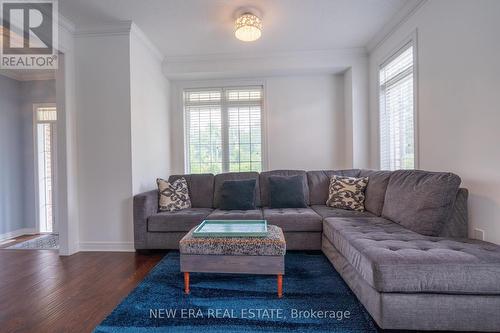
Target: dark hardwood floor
[42,292]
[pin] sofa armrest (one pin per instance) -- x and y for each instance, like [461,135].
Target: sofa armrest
[145,205]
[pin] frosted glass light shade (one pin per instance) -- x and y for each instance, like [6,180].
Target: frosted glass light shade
[248,28]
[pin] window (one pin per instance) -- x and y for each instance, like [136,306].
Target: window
[397,122]
[223,129]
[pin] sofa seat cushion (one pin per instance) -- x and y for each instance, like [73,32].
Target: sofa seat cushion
[219,214]
[294,219]
[178,221]
[394,259]
[326,211]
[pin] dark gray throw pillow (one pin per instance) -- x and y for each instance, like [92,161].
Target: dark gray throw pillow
[238,194]
[286,192]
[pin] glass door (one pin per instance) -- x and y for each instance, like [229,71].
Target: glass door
[45,128]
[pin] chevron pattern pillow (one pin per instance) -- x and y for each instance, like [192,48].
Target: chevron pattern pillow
[173,196]
[347,193]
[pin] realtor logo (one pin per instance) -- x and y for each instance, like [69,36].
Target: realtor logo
[28,34]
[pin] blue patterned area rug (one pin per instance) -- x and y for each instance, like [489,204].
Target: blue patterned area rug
[315,299]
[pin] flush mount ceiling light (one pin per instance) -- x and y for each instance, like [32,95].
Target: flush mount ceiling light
[248,27]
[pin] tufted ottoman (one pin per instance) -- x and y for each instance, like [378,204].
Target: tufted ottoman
[240,255]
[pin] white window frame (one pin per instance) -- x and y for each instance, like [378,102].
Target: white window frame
[411,40]
[180,87]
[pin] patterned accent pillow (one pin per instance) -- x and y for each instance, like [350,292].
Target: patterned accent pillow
[347,193]
[173,196]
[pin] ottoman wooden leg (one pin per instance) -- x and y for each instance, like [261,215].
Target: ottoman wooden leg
[280,285]
[186,282]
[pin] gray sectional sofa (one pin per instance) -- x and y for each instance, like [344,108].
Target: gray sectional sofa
[433,279]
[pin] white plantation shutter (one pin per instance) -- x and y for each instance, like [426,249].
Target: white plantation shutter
[397,129]
[223,129]
[46,114]
[204,131]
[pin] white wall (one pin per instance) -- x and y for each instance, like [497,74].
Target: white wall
[458,98]
[104,141]
[303,116]
[123,132]
[305,122]
[17,197]
[11,162]
[149,115]
[284,66]
[32,92]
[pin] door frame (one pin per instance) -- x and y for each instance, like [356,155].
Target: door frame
[55,198]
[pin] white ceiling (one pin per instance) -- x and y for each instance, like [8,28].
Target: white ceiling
[200,27]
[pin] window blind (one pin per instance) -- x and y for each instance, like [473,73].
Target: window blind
[224,131]
[46,114]
[397,129]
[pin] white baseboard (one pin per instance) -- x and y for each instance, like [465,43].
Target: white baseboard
[107,246]
[17,233]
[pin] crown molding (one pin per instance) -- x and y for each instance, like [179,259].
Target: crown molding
[402,16]
[119,28]
[265,55]
[215,66]
[66,24]
[136,31]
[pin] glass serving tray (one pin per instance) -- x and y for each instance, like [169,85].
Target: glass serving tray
[231,228]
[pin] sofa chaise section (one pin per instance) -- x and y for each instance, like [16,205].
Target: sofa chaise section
[410,281]
[394,259]
[422,280]
[418,311]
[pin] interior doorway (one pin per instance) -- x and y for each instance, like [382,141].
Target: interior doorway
[45,129]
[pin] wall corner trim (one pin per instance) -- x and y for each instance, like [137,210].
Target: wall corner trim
[396,21]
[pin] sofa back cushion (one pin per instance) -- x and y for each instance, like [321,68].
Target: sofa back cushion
[419,200]
[319,181]
[264,183]
[222,177]
[201,189]
[375,190]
